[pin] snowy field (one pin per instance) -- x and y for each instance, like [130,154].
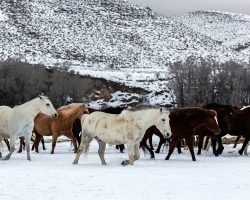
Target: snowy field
[54,177]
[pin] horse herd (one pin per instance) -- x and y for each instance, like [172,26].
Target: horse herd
[119,126]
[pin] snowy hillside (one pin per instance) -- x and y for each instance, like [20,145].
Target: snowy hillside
[113,39]
[229,29]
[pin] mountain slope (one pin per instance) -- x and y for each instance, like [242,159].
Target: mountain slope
[113,39]
[229,29]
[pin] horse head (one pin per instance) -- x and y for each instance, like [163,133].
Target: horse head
[163,123]
[211,122]
[46,106]
[84,109]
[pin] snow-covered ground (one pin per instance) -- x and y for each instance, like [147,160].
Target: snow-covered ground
[54,177]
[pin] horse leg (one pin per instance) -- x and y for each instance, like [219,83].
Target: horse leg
[162,141]
[122,147]
[190,144]
[1,146]
[36,142]
[220,146]
[179,147]
[86,139]
[131,154]
[236,141]
[71,136]
[54,139]
[12,147]
[42,140]
[214,141]
[245,150]
[200,143]
[7,143]
[27,139]
[206,142]
[244,145]
[172,145]
[21,144]
[137,151]
[144,144]
[150,140]
[101,150]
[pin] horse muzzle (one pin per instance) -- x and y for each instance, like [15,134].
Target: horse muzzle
[54,116]
[168,135]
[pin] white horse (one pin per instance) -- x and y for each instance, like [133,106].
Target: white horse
[18,121]
[128,128]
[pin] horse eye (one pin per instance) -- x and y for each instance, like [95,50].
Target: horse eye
[163,120]
[47,104]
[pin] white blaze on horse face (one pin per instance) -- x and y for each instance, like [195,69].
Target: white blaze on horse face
[216,120]
[46,107]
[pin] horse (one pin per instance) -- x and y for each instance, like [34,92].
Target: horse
[185,121]
[128,127]
[62,125]
[238,125]
[18,121]
[222,112]
[77,128]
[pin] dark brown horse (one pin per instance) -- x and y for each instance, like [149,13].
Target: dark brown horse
[239,125]
[185,121]
[222,112]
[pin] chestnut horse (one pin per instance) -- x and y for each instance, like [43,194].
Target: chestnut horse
[62,125]
[185,121]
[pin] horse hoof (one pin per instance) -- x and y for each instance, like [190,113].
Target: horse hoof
[75,162]
[157,151]
[240,152]
[166,158]
[125,162]
[6,158]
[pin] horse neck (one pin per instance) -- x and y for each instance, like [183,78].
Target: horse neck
[28,110]
[146,118]
[72,113]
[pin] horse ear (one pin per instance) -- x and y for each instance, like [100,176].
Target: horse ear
[40,97]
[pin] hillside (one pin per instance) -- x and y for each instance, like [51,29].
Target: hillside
[229,29]
[115,39]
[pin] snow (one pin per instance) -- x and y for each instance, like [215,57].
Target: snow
[3,17]
[54,177]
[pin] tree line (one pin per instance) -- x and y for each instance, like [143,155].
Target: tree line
[20,82]
[198,81]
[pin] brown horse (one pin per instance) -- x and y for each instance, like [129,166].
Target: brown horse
[185,121]
[238,125]
[62,125]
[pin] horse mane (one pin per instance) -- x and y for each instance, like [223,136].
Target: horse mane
[43,96]
[142,107]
